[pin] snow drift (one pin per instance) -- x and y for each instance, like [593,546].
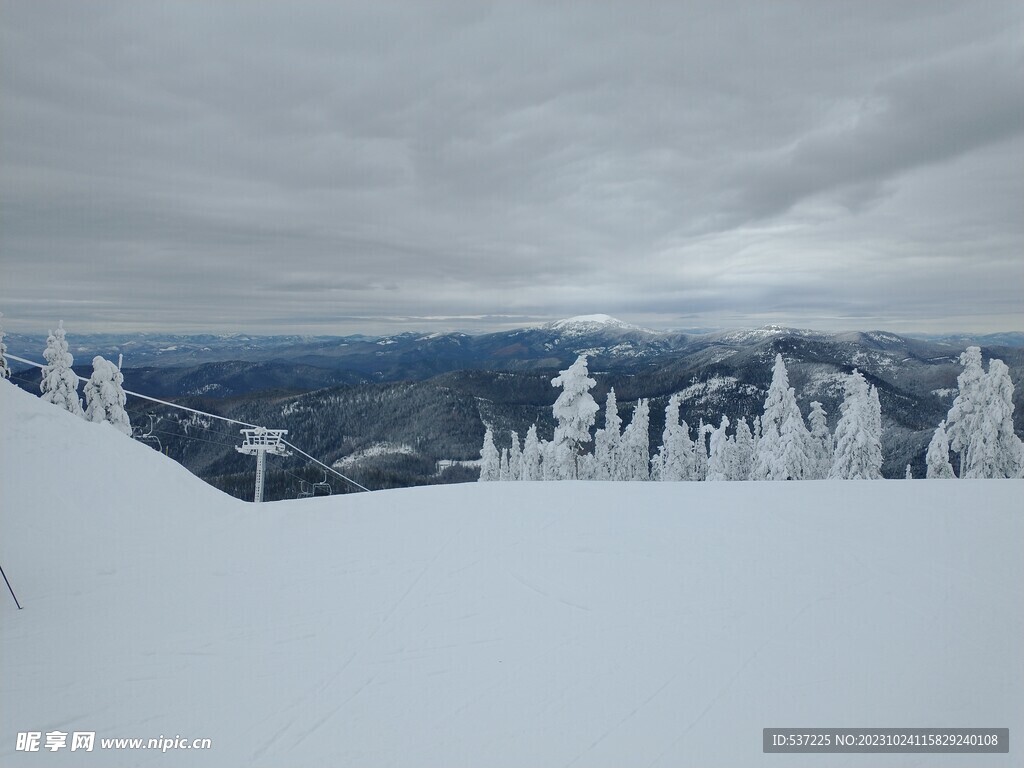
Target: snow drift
[540,624]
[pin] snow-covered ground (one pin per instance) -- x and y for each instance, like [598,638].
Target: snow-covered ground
[505,624]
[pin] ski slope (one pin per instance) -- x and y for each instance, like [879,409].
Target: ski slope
[491,625]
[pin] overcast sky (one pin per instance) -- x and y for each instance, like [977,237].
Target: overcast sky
[329,167]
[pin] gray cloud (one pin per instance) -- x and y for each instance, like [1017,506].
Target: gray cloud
[335,167]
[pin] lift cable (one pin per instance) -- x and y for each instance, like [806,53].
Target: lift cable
[222,418]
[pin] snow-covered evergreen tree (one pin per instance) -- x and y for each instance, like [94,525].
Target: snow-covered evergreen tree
[503,474]
[719,453]
[795,452]
[771,422]
[938,455]
[700,451]
[783,451]
[909,474]
[821,443]
[962,419]
[742,453]
[858,452]
[606,442]
[515,459]
[531,469]
[551,464]
[574,410]
[59,383]
[992,449]
[104,396]
[674,460]
[635,446]
[490,462]
[5,370]
[875,412]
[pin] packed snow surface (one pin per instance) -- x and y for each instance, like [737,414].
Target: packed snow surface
[503,624]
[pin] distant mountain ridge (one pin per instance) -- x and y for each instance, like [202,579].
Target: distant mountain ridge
[418,355]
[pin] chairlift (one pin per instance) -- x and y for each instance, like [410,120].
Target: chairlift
[305,489]
[149,437]
[323,488]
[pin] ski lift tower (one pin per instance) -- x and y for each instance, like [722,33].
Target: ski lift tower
[261,441]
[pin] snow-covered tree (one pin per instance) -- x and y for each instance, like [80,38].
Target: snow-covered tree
[490,462]
[938,455]
[700,451]
[104,396]
[719,453]
[551,463]
[503,465]
[606,442]
[742,452]
[635,446]
[909,474]
[963,416]
[531,456]
[821,443]
[515,459]
[783,450]
[574,410]
[5,370]
[59,383]
[858,452]
[795,450]
[980,423]
[993,450]
[674,460]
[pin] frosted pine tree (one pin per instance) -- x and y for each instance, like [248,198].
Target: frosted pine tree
[503,465]
[551,465]
[938,455]
[875,412]
[531,456]
[993,450]
[635,447]
[743,452]
[675,456]
[574,410]
[59,383]
[606,442]
[821,442]
[490,462]
[719,453]
[795,452]
[962,419]
[5,370]
[700,451]
[858,453]
[909,474]
[515,459]
[104,396]
[779,405]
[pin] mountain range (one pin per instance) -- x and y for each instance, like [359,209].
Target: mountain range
[407,409]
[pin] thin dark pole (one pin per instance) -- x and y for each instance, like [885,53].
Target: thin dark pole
[9,588]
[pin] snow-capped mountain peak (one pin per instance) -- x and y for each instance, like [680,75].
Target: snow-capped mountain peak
[591,323]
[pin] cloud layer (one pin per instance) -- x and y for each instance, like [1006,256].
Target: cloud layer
[338,167]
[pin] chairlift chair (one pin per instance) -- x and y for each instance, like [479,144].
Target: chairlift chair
[149,437]
[322,488]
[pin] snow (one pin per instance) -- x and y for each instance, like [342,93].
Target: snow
[511,624]
[590,320]
[377,449]
[583,324]
[713,386]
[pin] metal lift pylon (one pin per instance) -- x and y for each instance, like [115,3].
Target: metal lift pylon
[261,441]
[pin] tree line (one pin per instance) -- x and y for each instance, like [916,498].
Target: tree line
[778,444]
